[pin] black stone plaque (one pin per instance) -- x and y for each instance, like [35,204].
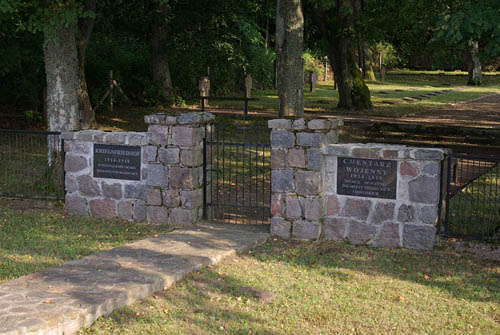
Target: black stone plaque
[372,178]
[117,161]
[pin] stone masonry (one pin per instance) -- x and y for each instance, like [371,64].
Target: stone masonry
[305,203]
[297,173]
[409,221]
[170,189]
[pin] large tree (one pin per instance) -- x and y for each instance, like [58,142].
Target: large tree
[289,64]
[474,28]
[336,22]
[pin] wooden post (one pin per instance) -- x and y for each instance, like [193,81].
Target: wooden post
[204,87]
[111,90]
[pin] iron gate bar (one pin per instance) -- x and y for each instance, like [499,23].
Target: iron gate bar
[474,196]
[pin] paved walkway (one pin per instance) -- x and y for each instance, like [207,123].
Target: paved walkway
[61,300]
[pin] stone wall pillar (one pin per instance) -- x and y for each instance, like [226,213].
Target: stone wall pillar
[175,167]
[297,173]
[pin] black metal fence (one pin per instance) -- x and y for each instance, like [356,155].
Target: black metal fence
[472,202]
[32,164]
[237,172]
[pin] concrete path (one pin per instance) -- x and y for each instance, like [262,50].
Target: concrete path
[62,300]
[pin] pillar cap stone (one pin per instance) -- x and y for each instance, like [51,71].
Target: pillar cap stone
[179,118]
[303,124]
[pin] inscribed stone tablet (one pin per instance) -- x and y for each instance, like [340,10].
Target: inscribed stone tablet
[117,162]
[372,178]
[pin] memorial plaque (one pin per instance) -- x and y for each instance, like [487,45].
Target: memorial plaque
[372,178]
[117,161]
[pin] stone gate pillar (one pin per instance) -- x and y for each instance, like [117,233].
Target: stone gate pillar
[297,172]
[175,167]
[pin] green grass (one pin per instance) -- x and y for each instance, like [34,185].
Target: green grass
[327,288]
[31,241]
[475,210]
[325,98]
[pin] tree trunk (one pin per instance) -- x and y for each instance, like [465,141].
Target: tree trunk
[159,59]
[353,92]
[85,27]
[61,69]
[289,48]
[475,75]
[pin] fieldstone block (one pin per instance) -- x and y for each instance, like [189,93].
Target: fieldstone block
[366,152]
[335,228]
[296,158]
[432,168]
[357,208]
[158,215]
[192,199]
[330,137]
[406,213]
[308,183]
[278,159]
[280,228]
[428,214]
[154,197]
[390,154]
[158,134]
[309,139]
[190,118]
[157,118]
[314,159]
[184,177]
[388,236]
[75,163]
[138,139]
[299,124]
[282,181]
[103,208]
[282,139]
[384,211]
[191,157]
[86,135]
[171,198]
[125,210]
[88,186]
[187,136]
[136,191]
[279,124]
[338,150]
[332,205]
[157,175]
[306,230]
[113,191]
[424,189]
[77,147]
[70,183]
[182,217]
[420,237]
[408,169]
[427,154]
[277,204]
[149,153]
[169,155]
[318,124]
[312,207]
[361,233]
[75,204]
[116,138]
[140,210]
[293,209]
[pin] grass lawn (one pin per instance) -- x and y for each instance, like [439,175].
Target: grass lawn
[31,241]
[329,288]
[325,98]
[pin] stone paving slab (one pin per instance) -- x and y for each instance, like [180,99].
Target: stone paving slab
[63,299]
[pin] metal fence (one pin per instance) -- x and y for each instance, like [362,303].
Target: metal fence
[472,203]
[237,172]
[31,164]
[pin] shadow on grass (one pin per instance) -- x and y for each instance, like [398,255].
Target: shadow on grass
[461,277]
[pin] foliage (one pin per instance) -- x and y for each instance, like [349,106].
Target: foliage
[312,64]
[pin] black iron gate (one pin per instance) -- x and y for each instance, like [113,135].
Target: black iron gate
[472,197]
[237,172]
[32,164]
